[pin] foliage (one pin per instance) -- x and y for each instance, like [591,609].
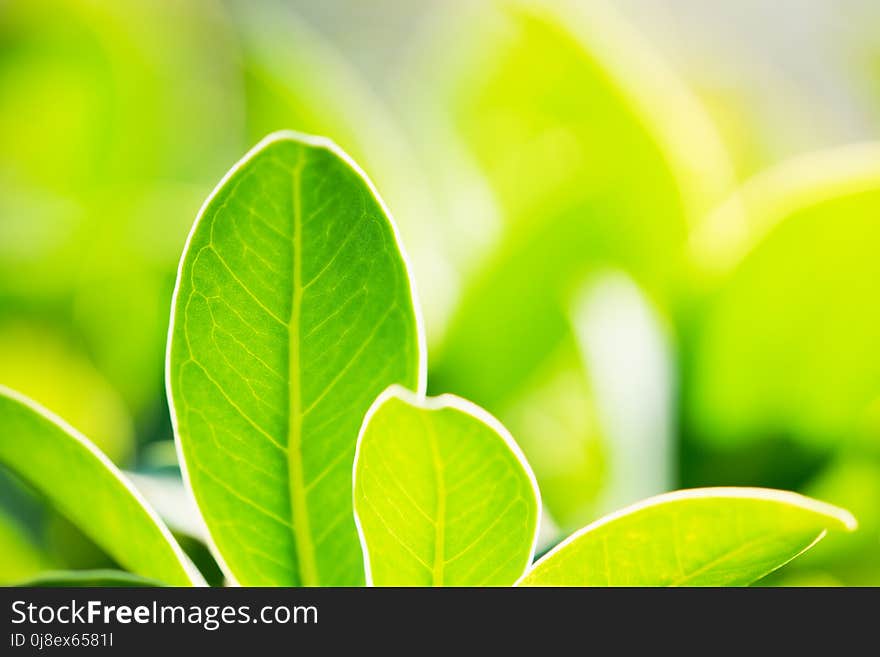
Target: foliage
[611,314]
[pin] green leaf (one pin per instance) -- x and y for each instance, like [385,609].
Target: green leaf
[293,311]
[598,156]
[786,342]
[89,490]
[80,578]
[443,495]
[699,537]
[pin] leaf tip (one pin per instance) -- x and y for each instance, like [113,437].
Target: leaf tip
[848,520]
[845,520]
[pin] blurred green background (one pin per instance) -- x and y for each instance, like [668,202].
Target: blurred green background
[644,235]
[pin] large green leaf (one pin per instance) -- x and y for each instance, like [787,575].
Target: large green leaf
[442,494]
[699,537]
[293,311]
[786,342]
[87,488]
[598,157]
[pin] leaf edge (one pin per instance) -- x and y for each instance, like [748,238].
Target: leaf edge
[192,573]
[447,400]
[312,141]
[847,521]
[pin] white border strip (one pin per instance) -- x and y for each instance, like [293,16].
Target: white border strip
[189,568]
[314,142]
[441,402]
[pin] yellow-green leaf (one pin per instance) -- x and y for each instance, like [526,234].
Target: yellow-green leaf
[700,537]
[443,495]
[82,483]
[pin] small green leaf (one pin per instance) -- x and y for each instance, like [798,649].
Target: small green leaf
[89,490]
[443,495]
[293,311]
[700,537]
[79,578]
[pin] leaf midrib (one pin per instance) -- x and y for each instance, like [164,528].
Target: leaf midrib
[302,535]
[440,512]
[686,578]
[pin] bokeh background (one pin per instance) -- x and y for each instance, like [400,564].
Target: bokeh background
[645,234]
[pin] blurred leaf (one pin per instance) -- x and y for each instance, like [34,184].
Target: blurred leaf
[98,92]
[700,537]
[786,339]
[598,157]
[122,312]
[556,423]
[89,578]
[293,311]
[741,122]
[20,557]
[88,489]
[109,112]
[45,367]
[443,495]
